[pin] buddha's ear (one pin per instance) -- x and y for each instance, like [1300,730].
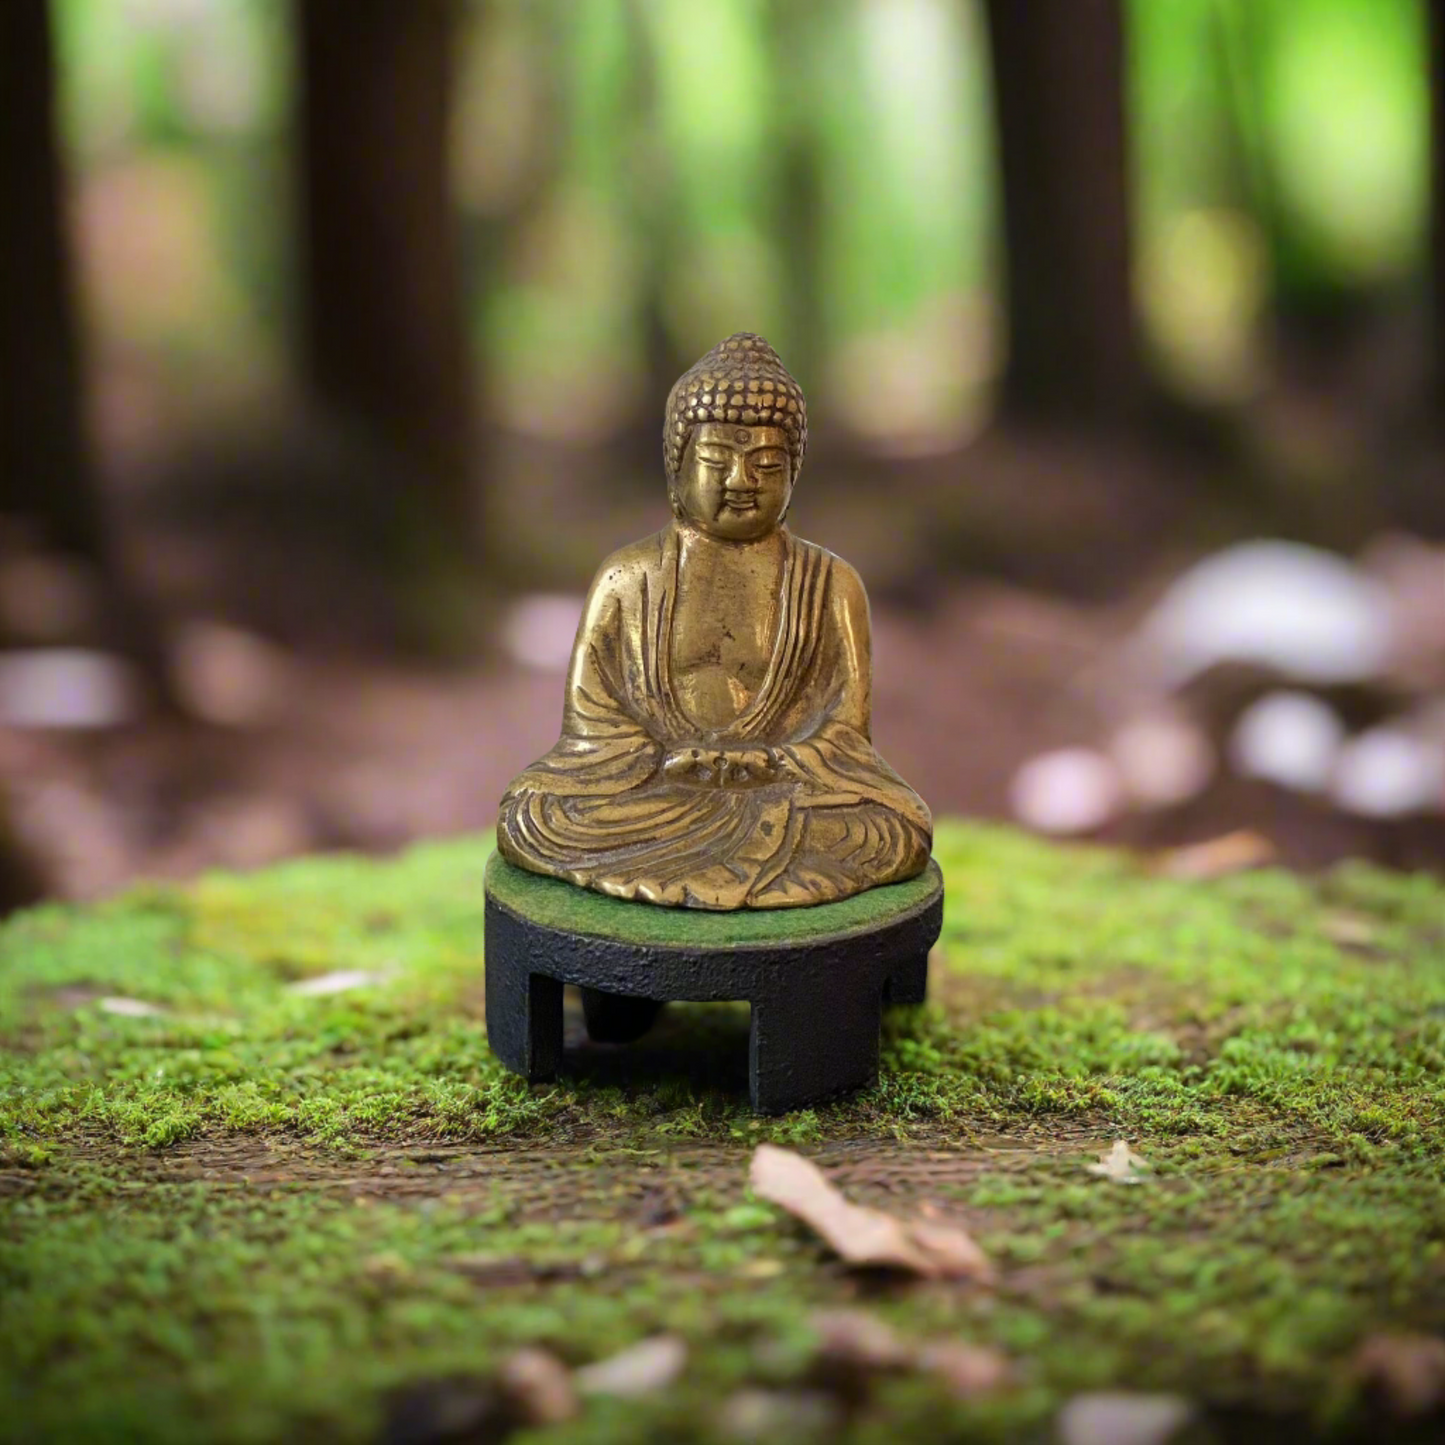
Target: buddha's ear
[783,515]
[792,482]
[674,501]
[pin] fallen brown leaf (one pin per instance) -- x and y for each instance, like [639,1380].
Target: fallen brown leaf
[643,1369]
[862,1236]
[762,1269]
[1408,1370]
[1121,1164]
[1108,1417]
[967,1370]
[954,1253]
[340,981]
[130,1008]
[854,1345]
[1349,930]
[859,1340]
[1231,853]
[387,1267]
[854,1348]
[539,1387]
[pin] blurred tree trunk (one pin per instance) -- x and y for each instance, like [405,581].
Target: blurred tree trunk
[798,225]
[656,223]
[45,473]
[1058,80]
[794,29]
[382,296]
[1437,179]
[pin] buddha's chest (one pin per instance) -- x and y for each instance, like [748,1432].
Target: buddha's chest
[724,625]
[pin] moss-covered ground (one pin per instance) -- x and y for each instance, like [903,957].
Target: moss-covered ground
[251,1213]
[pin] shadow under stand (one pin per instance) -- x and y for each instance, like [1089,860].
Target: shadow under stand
[817,979]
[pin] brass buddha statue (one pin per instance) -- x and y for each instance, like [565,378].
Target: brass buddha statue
[716,748]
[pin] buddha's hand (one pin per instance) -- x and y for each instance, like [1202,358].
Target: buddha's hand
[726,767]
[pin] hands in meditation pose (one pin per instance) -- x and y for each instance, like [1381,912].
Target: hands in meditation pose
[716,748]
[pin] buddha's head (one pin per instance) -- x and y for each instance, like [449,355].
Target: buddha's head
[733,440]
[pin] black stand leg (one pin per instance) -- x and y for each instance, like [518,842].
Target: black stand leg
[524,1019]
[908,983]
[801,1051]
[617,1018]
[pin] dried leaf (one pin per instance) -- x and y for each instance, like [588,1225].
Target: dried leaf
[1408,1370]
[861,1236]
[388,1267]
[130,1008]
[853,1345]
[341,981]
[762,1269]
[539,1387]
[1121,1164]
[967,1370]
[642,1370]
[1232,853]
[953,1253]
[1110,1418]
[1349,930]
[859,1340]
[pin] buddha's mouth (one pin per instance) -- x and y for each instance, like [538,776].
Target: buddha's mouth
[745,502]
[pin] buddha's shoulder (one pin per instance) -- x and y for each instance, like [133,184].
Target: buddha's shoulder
[843,579]
[624,569]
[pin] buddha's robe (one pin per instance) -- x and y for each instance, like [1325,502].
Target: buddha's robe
[599,811]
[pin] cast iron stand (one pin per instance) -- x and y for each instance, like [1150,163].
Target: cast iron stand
[816,1002]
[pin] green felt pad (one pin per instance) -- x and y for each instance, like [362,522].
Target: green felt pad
[556,904]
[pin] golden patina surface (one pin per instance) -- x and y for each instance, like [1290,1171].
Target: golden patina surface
[716,748]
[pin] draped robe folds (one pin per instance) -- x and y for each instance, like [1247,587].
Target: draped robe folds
[599,811]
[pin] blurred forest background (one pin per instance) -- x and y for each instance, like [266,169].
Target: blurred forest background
[334,338]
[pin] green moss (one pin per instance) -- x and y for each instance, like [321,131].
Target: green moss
[240,1218]
[560,905]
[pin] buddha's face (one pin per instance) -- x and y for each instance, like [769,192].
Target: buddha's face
[735,481]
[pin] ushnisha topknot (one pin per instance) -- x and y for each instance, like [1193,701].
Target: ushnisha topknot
[740,380]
